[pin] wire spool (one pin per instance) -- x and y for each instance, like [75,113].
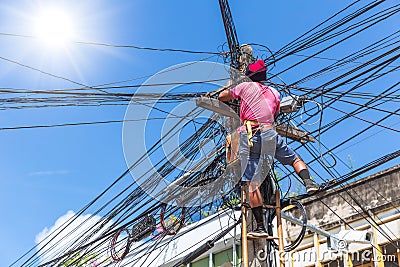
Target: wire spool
[174,227]
[297,232]
[120,248]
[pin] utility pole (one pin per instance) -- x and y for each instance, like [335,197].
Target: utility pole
[240,58]
[235,67]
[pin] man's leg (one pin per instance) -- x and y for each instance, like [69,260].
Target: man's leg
[250,164]
[301,169]
[256,203]
[285,155]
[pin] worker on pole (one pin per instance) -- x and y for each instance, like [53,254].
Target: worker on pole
[259,142]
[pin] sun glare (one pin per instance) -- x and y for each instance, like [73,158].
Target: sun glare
[54,27]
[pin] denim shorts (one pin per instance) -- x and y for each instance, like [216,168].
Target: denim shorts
[256,161]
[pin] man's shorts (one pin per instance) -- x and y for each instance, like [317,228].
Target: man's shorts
[284,153]
[256,161]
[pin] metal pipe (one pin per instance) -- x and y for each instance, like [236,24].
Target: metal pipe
[309,226]
[234,248]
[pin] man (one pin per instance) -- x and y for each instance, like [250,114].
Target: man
[259,106]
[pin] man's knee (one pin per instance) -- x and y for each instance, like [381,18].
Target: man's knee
[254,194]
[298,164]
[253,186]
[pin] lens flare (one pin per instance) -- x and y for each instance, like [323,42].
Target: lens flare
[54,27]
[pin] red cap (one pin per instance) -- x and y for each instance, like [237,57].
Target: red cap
[257,66]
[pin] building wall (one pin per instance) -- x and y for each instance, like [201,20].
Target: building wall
[374,199]
[378,191]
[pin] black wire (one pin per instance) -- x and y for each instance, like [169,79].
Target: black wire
[92,202]
[315,36]
[293,43]
[74,124]
[123,46]
[330,46]
[364,214]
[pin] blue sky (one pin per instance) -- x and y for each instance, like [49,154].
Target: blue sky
[47,172]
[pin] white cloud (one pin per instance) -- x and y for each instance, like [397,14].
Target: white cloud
[66,233]
[69,230]
[50,172]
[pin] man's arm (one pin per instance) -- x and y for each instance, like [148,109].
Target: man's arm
[225,96]
[278,107]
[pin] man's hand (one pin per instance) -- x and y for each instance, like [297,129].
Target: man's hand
[225,96]
[208,94]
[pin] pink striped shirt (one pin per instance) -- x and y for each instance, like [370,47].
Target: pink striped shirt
[258,102]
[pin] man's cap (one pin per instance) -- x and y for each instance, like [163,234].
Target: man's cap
[257,66]
[257,71]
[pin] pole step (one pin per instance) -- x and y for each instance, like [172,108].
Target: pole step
[250,236]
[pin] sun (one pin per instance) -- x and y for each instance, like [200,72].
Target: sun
[54,27]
